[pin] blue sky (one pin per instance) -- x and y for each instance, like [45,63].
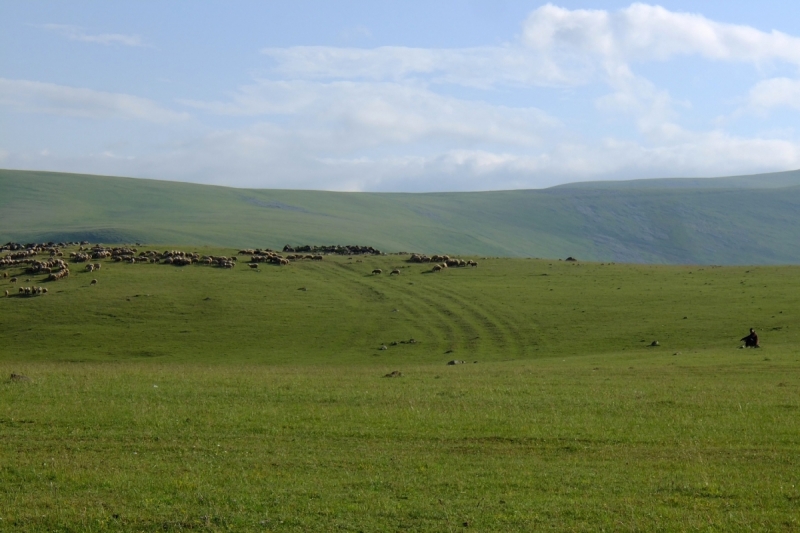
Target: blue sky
[400,96]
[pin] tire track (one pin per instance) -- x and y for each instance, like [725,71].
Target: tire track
[453,328]
[501,330]
[422,323]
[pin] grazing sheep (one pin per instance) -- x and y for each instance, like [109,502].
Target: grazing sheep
[96,266]
[94,282]
[5,274]
[13,280]
[377,271]
[253,265]
[90,268]
[395,271]
[6,294]
[44,290]
[437,268]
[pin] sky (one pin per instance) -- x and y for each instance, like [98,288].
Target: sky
[411,96]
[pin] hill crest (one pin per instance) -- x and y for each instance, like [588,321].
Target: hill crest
[736,220]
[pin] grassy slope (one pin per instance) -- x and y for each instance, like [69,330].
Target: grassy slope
[504,309]
[775,180]
[568,422]
[629,222]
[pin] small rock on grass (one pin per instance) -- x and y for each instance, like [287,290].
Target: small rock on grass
[19,377]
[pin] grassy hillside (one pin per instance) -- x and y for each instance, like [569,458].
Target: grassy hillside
[337,311]
[775,180]
[613,222]
[195,398]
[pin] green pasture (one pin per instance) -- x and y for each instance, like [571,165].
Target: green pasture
[195,398]
[336,312]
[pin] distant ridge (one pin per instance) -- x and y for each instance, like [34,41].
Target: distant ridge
[775,180]
[733,220]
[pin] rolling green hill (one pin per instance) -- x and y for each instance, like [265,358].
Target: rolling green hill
[741,220]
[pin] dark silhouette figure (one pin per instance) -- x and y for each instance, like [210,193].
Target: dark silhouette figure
[751,341]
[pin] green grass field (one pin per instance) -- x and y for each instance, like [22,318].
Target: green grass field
[195,398]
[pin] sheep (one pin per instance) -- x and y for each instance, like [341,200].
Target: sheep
[253,265]
[5,275]
[94,282]
[377,271]
[395,271]
[13,280]
[96,266]
[437,268]
[6,294]
[90,268]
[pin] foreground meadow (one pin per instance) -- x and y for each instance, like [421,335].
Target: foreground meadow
[168,398]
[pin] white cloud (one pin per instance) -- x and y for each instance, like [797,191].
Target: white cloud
[74,33]
[354,33]
[386,118]
[646,33]
[273,156]
[775,92]
[344,116]
[482,67]
[558,47]
[37,97]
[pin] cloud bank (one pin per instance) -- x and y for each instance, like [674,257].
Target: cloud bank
[36,97]
[419,119]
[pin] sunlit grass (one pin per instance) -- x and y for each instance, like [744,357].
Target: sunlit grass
[195,398]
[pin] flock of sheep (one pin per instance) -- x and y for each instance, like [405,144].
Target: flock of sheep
[443,261]
[270,256]
[56,267]
[337,249]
